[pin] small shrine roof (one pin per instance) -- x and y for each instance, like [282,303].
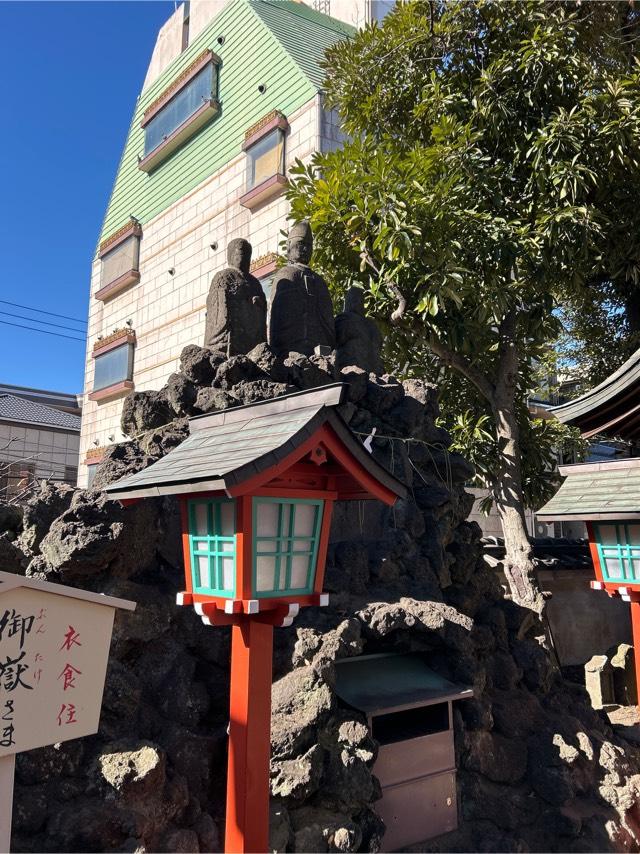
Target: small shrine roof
[230,447]
[593,491]
[611,408]
[391,682]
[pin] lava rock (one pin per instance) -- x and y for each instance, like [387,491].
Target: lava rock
[144,410]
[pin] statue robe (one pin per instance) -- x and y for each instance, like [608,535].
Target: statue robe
[236,313]
[300,312]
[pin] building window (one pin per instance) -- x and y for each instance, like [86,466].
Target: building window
[265,158]
[113,365]
[264,145]
[619,551]
[179,113]
[213,546]
[264,269]
[92,468]
[284,561]
[120,261]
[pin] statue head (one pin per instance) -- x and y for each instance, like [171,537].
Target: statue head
[354,300]
[300,243]
[239,254]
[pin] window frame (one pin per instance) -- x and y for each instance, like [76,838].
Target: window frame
[120,338]
[131,231]
[288,553]
[625,552]
[193,122]
[212,553]
[273,185]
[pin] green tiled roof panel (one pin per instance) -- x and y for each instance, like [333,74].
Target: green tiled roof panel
[596,494]
[230,447]
[275,44]
[303,32]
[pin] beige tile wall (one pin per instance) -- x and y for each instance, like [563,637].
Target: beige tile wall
[168,311]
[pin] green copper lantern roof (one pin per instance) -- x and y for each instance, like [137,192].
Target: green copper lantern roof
[594,491]
[227,448]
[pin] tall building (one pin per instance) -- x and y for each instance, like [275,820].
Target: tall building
[231,98]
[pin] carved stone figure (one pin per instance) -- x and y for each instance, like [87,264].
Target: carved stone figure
[358,339]
[300,311]
[236,305]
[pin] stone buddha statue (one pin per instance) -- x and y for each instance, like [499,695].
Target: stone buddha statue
[300,310]
[358,339]
[236,305]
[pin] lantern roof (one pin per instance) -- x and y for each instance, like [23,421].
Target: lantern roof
[240,449]
[596,491]
[612,408]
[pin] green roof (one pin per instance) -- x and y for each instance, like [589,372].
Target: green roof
[596,491]
[611,408]
[279,45]
[227,448]
[303,32]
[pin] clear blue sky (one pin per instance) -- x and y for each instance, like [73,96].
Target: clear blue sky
[71,72]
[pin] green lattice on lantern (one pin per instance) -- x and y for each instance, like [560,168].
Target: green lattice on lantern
[286,532]
[618,546]
[212,545]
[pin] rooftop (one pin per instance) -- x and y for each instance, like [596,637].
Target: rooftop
[230,449]
[594,491]
[18,410]
[611,408]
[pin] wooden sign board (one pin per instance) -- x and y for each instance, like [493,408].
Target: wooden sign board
[54,649]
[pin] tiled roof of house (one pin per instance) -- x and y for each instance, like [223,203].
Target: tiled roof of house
[21,411]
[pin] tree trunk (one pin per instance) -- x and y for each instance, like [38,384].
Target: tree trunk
[518,563]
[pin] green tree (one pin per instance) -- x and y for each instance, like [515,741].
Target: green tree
[488,145]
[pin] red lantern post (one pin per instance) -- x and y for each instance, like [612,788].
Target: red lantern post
[257,486]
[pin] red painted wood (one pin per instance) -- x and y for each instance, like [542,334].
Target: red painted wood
[186,551]
[323,544]
[635,624]
[247,825]
[593,548]
[244,548]
[362,484]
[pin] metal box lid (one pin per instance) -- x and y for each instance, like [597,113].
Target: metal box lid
[389,682]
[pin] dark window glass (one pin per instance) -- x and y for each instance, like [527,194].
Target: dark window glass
[113,367]
[181,107]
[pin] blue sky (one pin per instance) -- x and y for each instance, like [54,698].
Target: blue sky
[71,72]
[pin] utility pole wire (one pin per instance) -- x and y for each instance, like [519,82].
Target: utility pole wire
[42,311]
[44,331]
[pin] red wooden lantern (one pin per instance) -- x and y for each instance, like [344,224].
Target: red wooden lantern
[257,485]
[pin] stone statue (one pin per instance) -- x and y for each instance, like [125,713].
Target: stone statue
[358,339]
[236,305]
[300,311]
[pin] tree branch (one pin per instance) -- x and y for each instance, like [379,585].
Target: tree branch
[463,366]
[399,312]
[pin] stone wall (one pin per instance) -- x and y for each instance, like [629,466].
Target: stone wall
[539,770]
